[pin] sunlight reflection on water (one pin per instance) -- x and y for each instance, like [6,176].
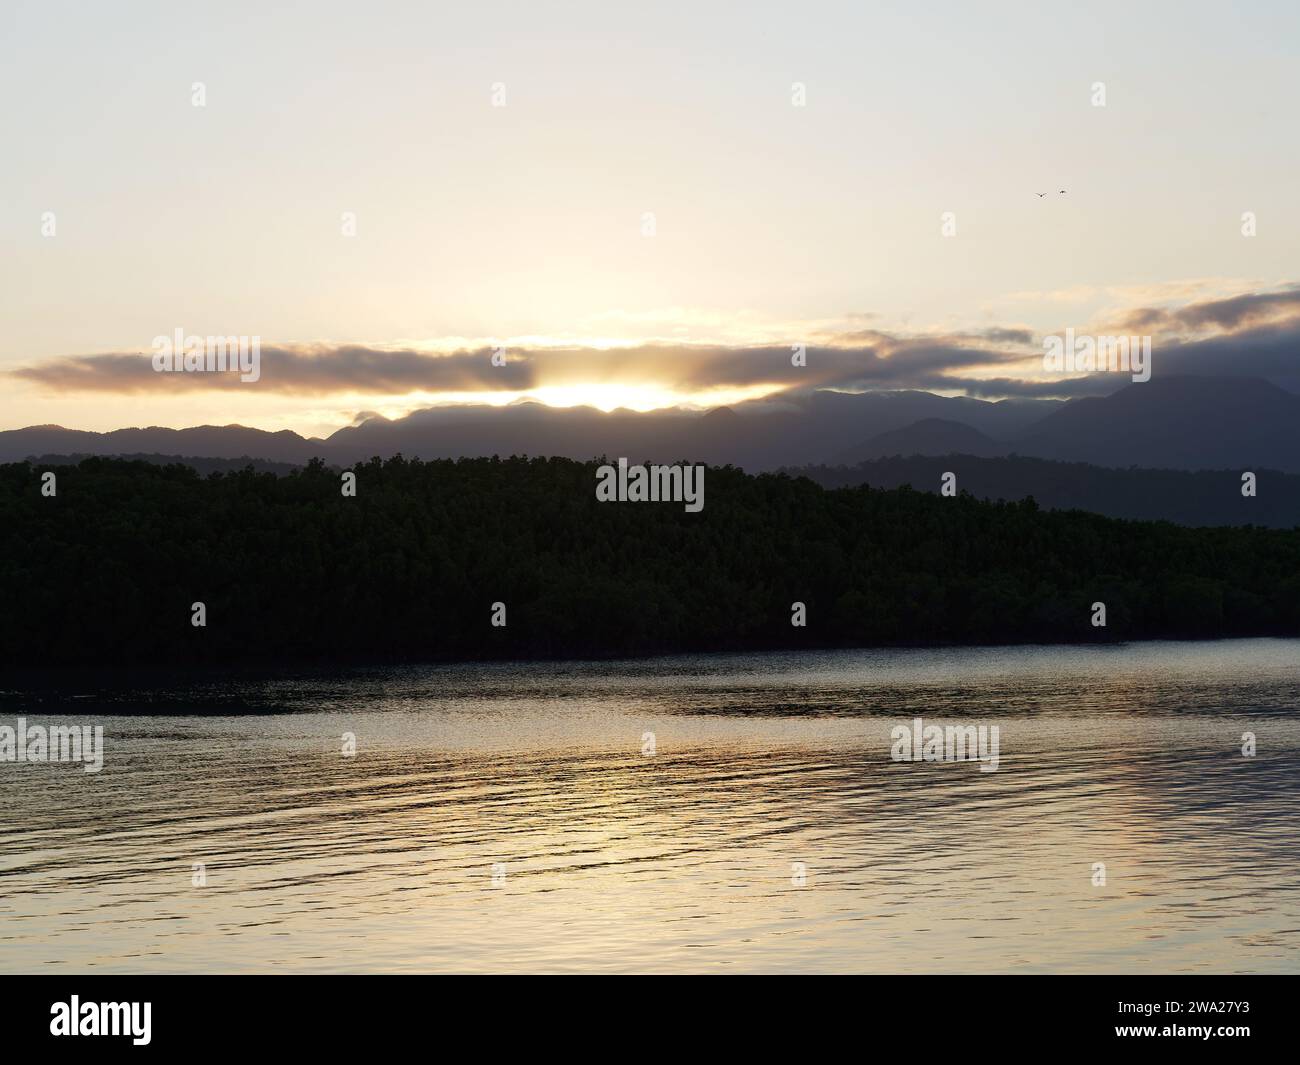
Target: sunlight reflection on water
[682,860]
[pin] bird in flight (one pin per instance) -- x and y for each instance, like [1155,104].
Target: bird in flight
[1040,195]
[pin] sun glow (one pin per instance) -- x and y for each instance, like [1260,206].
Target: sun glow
[600,395]
[608,396]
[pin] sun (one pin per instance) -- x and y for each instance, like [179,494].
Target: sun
[608,396]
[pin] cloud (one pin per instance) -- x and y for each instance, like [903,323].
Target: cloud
[1256,334]
[1230,314]
[1052,388]
[301,370]
[1250,335]
[685,368]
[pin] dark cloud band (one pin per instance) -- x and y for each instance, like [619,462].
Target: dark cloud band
[1256,334]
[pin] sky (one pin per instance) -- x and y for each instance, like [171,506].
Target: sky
[627,199]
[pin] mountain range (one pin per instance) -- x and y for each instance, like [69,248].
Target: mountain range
[1185,497]
[1171,422]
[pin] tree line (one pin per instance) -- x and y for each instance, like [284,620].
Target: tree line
[107,569]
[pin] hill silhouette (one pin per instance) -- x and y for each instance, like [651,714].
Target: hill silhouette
[1169,422]
[1175,422]
[931,436]
[758,435]
[1202,497]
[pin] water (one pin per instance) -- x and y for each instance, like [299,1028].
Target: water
[610,859]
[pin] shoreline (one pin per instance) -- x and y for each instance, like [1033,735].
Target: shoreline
[214,690]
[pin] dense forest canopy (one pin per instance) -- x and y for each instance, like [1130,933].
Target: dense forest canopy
[289,568]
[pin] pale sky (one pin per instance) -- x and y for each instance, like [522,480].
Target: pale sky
[524,224]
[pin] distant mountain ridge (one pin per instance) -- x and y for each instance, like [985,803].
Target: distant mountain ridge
[758,435]
[204,441]
[932,436]
[1175,422]
[1172,422]
[1195,498]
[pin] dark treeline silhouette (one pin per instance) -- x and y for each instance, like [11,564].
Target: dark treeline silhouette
[290,569]
[201,463]
[1204,497]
